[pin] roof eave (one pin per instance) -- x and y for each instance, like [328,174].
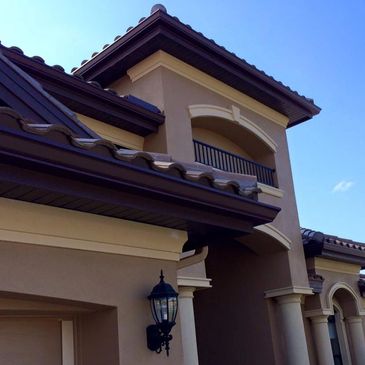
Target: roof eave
[87,98]
[161,25]
[98,180]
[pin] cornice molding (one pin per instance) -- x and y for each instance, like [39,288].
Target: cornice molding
[86,231]
[232,115]
[290,290]
[336,266]
[187,281]
[163,59]
[270,190]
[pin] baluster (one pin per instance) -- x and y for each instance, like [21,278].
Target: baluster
[220,154]
[200,153]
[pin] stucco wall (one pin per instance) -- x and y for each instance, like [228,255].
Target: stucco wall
[175,137]
[235,324]
[117,281]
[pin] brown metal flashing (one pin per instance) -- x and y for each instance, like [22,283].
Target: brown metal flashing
[20,91]
[87,98]
[332,247]
[161,31]
[46,164]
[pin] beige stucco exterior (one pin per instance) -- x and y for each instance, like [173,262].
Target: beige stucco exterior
[96,271]
[339,293]
[116,135]
[83,279]
[23,222]
[213,113]
[177,133]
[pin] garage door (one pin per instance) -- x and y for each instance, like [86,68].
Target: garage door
[30,341]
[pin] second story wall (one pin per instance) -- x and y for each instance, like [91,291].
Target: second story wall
[245,127]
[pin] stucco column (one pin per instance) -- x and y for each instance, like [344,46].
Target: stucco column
[322,340]
[187,321]
[293,329]
[356,333]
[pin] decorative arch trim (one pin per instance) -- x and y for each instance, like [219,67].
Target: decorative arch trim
[341,285]
[232,115]
[273,232]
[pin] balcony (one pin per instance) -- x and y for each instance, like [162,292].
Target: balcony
[223,160]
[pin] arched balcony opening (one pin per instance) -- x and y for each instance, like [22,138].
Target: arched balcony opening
[234,146]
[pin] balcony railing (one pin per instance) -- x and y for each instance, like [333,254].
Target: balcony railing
[223,160]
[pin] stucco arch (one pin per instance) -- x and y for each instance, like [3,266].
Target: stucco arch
[344,289]
[266,239]
[232,115]
[273,232]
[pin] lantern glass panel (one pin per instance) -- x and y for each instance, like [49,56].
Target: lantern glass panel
[160,309]
[172,308]
[153,310]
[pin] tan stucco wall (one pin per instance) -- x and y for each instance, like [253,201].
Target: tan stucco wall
[61,256]
[235,323]
[244,271]
[118,281]
[113,134]
[44,225]
[340,286]
[175,138]
[217,140]
[334,273]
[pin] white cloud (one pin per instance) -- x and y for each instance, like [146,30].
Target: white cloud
[342,186]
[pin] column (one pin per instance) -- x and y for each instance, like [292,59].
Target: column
[356,333]
[293,329]
[322,340]
[187,321]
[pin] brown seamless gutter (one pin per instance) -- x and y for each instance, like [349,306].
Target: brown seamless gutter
[43,160]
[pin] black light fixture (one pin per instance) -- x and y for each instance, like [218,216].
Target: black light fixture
[163,301]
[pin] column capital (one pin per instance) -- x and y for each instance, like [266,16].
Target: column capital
[186,292]
[274,293]
[354,319]
[290,298]
[319,319]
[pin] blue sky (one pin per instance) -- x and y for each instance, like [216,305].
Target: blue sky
[316,47]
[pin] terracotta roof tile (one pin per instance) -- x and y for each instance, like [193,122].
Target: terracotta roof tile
[242,185]
[59,68]
[209,39]
[309,235]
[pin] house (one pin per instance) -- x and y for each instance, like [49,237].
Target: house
[188,173]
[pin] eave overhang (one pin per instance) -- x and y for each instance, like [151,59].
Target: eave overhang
[87,98]
[49,166]
[161,31]
[317,244]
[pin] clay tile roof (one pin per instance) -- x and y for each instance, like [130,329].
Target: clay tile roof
[132,99]
[161,12]
[319,244]
[344,242]
[309,235]
[242,185]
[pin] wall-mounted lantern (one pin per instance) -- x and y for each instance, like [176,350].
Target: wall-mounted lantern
[163,301]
